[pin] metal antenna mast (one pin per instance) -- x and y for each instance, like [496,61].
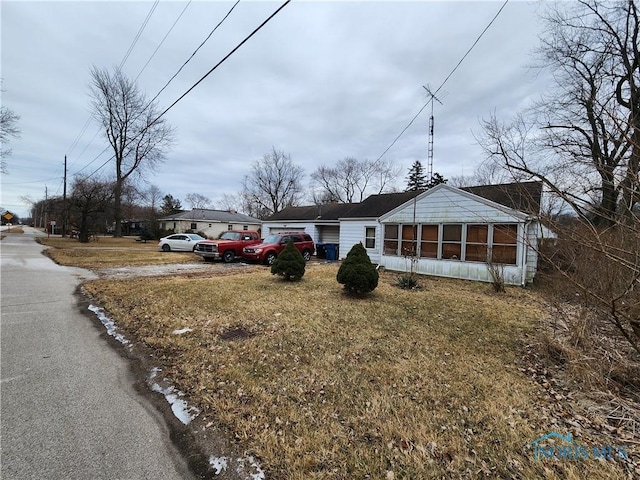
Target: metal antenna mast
[430,149]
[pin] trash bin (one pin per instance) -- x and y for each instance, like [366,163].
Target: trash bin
[332,251]
[321,251]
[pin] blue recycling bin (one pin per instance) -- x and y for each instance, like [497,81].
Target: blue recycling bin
[332,251]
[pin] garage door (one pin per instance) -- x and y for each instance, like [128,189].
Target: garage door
[283,230]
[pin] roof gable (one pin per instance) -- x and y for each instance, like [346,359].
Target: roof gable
[444,203]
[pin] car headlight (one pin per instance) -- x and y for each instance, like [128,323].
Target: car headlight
[257,250]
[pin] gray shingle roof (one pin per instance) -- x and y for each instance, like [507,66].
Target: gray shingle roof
[523,197]
[206,215]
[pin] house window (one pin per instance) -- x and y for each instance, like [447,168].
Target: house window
[429,241]
[163,226]
[451,242]
[245,227]
[391,239]
[194,226]
[229,227]
[409,240]
[209,225]
[476,246]
[370,237]
[505,243]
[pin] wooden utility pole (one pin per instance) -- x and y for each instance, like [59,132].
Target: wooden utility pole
[64,200]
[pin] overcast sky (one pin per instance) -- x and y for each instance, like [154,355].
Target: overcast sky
[322,81]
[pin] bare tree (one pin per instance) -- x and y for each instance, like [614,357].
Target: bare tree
[89,202]
[582,140]
[230,201]
[8,129]
[153,196]
[351,180]
[274,183]
[138,138]
[197,200]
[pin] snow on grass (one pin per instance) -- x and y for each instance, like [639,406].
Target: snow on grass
[109,324]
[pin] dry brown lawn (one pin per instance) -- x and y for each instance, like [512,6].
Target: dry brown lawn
[319,385]
[112,252]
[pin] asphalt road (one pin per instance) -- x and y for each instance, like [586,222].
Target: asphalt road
[68,409]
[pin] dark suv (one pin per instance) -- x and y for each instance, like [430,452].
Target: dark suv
[272,245]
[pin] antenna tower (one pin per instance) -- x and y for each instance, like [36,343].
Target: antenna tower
[432,97]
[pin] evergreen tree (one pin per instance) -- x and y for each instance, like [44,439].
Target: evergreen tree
[170,205]
[357,273]
[289,264]
[436,179]
[417,179]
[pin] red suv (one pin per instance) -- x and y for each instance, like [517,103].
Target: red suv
[272,245]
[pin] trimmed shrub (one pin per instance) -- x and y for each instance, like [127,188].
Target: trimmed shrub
[289,264]
[357,273]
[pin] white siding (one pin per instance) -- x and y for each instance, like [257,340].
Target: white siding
[449,206]
[453,269]
[353,231]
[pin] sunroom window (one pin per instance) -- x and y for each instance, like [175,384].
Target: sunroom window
[452,242]
[391,239]
[476,246]
[505,243]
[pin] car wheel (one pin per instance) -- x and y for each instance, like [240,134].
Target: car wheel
[270,258]
[228,256]
[166,247]
[306,255]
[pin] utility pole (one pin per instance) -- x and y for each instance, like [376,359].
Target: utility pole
[44,207]
[64,200]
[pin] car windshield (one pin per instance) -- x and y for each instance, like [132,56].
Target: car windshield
[193,236]
[271,239]
[230,236]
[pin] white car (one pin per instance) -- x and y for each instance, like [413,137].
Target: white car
[179,242]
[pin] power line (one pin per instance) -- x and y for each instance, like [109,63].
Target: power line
[166,85]
[446,79]
[226,57]
[122,62]
[137,37]
[195,51]
[163,39]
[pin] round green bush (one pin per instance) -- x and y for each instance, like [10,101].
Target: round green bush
[289,264]
[357,273]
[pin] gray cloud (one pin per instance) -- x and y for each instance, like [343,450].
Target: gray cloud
[322,81]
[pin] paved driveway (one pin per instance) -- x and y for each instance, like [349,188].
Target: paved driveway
[68,406]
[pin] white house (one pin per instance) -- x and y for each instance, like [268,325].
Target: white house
[448,231]
[211,222]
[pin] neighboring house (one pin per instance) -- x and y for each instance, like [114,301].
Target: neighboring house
[211,222]
[449,231]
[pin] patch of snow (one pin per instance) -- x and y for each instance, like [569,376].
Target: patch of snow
[179,407]
[109,324]
[259,475]
[182,330]
[219,464]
